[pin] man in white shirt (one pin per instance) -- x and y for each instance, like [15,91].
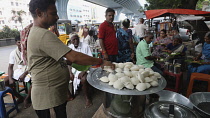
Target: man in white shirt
[80,76]
[139,30]
[20,73]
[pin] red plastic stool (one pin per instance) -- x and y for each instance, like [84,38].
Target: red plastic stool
[178,80]
[197,76]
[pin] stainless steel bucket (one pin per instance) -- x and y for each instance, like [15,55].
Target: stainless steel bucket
[124,106]
[2,85]
[177,68]
[166,66]
[171,68]
[201,102]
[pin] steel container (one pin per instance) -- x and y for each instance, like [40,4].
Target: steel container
[171,68]
[124,106]
[166,66]
[167,109]
[171,96]
[198,98]
[122,103]
[177,68]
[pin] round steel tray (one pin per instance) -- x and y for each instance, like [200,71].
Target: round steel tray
[93,79]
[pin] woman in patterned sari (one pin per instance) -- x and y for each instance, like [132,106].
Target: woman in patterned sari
[125,43]
[203,67]
[160,43]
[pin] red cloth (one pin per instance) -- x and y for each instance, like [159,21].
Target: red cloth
[161,12]
[107,32]
[24,37]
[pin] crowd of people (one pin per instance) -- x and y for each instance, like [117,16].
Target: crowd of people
[48,62]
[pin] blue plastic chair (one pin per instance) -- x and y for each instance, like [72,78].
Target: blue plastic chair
[3,112]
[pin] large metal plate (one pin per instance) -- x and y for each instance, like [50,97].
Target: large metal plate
[93,79]
[166,95]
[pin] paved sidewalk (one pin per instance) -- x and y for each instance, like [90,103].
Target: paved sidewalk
[4,56]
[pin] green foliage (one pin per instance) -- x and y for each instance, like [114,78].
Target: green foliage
[17,15]
[163,4]
[8,33]
[172,4]
[200,4]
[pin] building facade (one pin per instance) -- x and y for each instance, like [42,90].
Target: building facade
[80,11]
[8,13]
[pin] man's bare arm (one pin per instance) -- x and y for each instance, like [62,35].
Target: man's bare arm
[83,59]
[103,49]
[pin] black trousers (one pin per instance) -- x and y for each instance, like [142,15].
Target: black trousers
[60,112]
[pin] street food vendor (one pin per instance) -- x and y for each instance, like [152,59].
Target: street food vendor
[49,71]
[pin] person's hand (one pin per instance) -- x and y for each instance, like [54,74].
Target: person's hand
[71,76]
[11,81]
[196,59]
[204,63]
[156,43]
[22,77]
[165,50]
[132,55]
[169,51]
[108,63]
[81,74]
[157,58]
[106,56]
[162,44]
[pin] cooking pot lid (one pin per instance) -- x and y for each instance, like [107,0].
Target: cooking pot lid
[166,109]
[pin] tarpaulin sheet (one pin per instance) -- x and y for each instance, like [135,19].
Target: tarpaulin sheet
[163,12]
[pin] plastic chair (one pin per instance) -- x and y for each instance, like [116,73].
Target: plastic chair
[197,76]
[26,86]
[178,78]
[3,112]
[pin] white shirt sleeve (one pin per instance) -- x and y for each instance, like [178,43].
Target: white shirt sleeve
[12,57]
[89,51]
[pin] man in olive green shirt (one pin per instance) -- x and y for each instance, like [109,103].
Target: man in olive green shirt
[45,52]
[143,54]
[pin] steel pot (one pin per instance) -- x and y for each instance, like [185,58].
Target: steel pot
[177,68]
[171,96]
[167,109]
[124,106]
[201,102]
[166,66]
[171,68]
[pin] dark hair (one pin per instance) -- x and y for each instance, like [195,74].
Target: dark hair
[177,37]
[39,4]
[126,23]
[207,34]
[17,38]
[109,10]
[163,30]
[141,20]
[149,34]
[90,32]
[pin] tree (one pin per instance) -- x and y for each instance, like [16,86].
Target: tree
[17,15]
[199,26]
